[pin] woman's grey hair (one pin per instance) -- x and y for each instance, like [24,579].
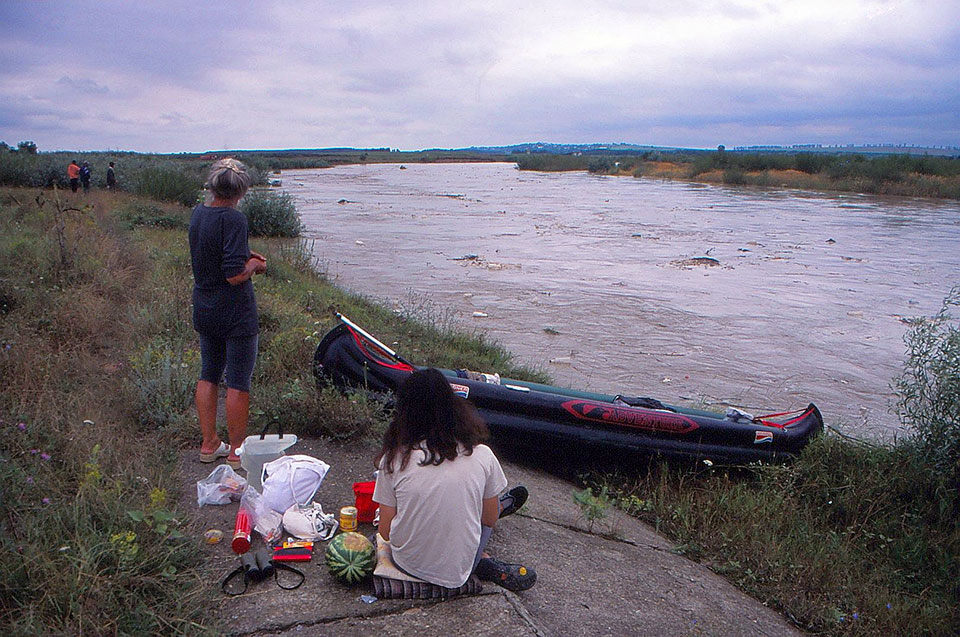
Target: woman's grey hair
[228,179]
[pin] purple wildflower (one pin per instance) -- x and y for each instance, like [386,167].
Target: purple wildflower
[44,456]
[29,479]
[46,500]
[34,452]
[22,426]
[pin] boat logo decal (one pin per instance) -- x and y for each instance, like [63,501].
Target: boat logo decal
[760,437]
[630,416]
[463,391]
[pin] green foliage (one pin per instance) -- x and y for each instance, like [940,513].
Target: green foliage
[929,387]
[593,507]
[271,214]
[164,378]
[139,213]
[27,147]
[169,184]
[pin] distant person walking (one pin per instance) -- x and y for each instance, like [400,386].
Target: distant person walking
[111,178]
[224,308]
[85,176]
[73,174]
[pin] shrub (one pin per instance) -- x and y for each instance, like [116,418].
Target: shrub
[169,184]
[929,388]
[271,214]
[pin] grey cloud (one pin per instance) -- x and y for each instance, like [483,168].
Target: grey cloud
[84,86]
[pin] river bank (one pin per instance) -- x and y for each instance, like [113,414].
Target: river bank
[896,175]
[98,362]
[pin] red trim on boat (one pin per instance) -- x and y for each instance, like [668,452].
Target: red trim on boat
[360,343]
[630,416]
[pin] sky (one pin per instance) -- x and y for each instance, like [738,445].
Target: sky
[189,76]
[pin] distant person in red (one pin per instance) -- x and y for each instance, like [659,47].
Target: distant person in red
[73,173]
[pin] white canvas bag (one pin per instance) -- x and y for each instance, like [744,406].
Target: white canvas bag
[292,480]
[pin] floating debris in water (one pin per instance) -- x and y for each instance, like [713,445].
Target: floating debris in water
[466,257]
[480,315]
[550,331]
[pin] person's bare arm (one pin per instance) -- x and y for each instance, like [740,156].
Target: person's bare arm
[387,514]
[253,266]
[490,512]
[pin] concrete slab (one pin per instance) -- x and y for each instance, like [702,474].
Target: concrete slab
[625,581]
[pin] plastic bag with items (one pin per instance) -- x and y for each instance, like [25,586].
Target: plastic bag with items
[265,521]
[222,486]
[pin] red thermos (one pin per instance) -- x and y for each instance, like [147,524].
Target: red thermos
[241,532]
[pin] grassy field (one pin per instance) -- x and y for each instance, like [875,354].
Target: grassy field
[98,363]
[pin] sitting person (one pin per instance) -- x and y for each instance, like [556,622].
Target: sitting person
[439,488]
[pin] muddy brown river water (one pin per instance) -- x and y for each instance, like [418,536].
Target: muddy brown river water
[692,294]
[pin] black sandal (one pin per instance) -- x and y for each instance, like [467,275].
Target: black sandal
[517,497]
[513,577]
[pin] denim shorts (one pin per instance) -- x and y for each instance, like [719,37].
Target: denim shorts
[235,355]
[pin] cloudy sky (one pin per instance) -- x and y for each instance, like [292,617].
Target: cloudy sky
[195,75]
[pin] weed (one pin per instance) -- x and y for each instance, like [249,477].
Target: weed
[593,507]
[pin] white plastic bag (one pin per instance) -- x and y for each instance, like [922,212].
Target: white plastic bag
[267,523]
[292,480]
[222,486]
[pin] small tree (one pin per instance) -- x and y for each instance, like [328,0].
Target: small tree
[27,147]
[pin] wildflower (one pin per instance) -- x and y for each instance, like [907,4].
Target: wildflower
[22,426]
[44,456]
[889,606]
[34,452]
[46,500]
[29,479]
[856,615]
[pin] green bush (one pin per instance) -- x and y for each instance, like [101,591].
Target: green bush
[929,388]
[271,214]
[169,184]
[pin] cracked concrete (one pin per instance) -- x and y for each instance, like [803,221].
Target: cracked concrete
[622,579]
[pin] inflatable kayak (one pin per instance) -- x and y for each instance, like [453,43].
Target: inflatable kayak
[546,416]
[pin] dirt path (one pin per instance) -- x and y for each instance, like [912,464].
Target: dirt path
[625,581]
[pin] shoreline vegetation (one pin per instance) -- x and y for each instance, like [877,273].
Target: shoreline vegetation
[901,175]
[176,177]
[98,361]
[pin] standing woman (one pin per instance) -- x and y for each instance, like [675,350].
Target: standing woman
[439,488]
[224,308]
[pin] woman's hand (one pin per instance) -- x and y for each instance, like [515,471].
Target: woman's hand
[262,266]
[253,266]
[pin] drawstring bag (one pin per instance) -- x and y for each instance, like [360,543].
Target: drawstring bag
[292,480]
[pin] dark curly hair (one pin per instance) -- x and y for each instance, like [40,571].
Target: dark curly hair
[428,411]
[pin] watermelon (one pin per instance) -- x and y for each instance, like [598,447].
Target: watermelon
[351,557]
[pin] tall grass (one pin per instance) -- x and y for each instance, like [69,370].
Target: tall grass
[73,459]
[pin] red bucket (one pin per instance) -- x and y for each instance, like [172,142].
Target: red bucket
[366,507]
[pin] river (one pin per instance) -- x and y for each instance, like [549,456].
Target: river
[689,293]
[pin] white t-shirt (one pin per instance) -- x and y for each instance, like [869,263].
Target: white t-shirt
[436,531]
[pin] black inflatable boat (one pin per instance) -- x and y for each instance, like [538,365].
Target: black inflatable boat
[547,416]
